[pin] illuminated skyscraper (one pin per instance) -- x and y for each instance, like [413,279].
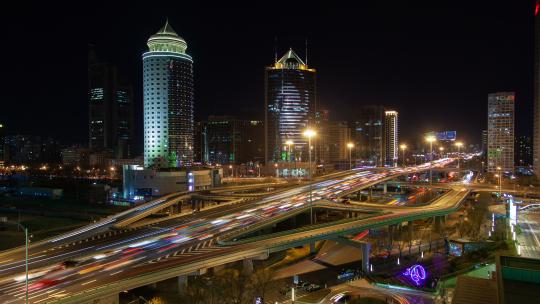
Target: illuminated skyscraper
[391,138]
[501,131]
[290,104]
[110,115]
[536,137]
[168,101]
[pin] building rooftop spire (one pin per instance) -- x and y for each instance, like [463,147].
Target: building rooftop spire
[167,40]
[290,61]
[167,29]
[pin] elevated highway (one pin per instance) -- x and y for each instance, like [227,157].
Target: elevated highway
[111,264]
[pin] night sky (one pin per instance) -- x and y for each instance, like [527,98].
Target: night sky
[434,62]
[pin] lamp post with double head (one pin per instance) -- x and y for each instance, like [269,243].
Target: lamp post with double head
[350,145]
[459,145]
[430,139]
[403,148]
[309,133]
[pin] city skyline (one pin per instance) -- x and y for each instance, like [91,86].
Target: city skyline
[375,75]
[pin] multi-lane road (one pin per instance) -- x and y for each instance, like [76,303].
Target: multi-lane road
[96,255]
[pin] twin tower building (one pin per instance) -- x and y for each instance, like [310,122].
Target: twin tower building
[168,92]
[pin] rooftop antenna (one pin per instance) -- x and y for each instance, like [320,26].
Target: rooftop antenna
[306,53]
[275,49]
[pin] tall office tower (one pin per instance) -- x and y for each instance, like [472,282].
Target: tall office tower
[391,138]
[536,135]
[484,142]
[367,135]
[227,140]
[501,131]
[523,151]
[321,147]
[290,104]
[168,101]
[339,135]
[2,146]
[110,115]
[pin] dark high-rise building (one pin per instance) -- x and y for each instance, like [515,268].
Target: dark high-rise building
[367,134]
[338,135]
[484,142]
[321,145]
[536,135]
[501,132]
[168,101]
[2,147]
[290,104]
[390,139]
[110,102]
[523,151]
[227,140]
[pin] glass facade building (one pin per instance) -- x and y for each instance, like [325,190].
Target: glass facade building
[290,102]
[391,145]
[228,140]
[110,115]
[168,101]
[500,150]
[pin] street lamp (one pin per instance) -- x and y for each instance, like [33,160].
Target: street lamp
[232,172]
[309,133]
[500,180]
[441,149]
[430,139]
[25,259]
[350,146]
[277,170]
[458,145]
[403,147]
[289,143]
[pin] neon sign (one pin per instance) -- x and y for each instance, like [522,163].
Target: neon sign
[417,273]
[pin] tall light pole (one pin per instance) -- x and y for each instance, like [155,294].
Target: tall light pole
[350,146]
[25,260]
[430,139]
[403,148]
[289,143]
[458,145]
[499,169]
[309,133]
[441,149]
[232,172]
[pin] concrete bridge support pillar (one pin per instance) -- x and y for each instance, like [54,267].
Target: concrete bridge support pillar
[182,284]
[247,266]
[312,247]
[385,188]
[366,248]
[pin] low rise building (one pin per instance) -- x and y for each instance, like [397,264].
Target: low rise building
[139,182]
